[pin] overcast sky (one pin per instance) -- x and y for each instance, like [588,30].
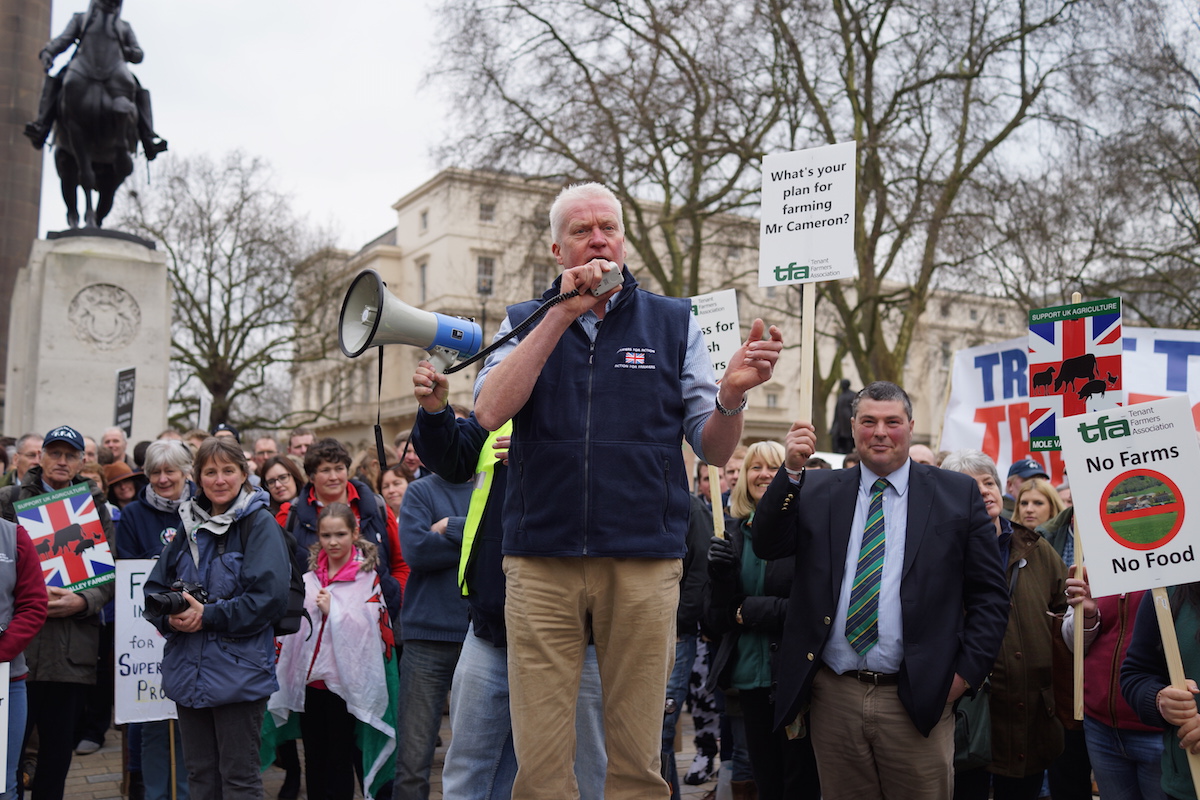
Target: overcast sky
[328,94]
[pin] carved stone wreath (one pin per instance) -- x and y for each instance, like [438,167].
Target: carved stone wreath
[105,316]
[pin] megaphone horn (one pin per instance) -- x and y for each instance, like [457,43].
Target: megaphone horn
[372,316]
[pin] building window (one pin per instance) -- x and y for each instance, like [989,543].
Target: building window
[735,253]
[772,400]
[424,221]
[487,212]
[485,272]
[947,354]
[1000,318]
[974,314]
[423,277]
[541,279]
[770,292]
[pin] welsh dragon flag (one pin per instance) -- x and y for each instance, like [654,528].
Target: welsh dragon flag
[353,651]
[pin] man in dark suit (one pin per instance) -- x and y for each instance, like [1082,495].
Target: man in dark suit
[898,604]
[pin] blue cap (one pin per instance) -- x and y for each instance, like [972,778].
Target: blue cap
[1027,468]
[64,433]
[225,426]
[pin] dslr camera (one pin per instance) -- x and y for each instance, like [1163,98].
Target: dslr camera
[162,604]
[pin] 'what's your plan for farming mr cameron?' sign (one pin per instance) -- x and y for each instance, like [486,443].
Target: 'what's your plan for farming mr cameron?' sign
[1133,475]
[807,216]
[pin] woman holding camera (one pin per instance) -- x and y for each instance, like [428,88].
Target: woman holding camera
[147,525]
[219,661]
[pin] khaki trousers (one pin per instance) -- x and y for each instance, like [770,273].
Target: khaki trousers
[630,604]
[867,747]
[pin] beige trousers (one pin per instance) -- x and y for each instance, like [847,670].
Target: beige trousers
[630,604]
[867,746]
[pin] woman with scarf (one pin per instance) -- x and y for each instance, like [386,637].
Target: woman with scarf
[282,478]
[147,525]
[219,660]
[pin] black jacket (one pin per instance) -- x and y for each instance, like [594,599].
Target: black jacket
[765,613]
[953,596]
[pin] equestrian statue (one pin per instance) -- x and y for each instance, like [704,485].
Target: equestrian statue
[97,109]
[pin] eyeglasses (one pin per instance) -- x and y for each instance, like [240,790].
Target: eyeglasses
[61,455]
[278,480]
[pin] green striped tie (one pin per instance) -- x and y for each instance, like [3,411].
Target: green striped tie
[862,616]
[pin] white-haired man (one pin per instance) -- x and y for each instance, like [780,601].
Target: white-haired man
[598,412]
[115,442]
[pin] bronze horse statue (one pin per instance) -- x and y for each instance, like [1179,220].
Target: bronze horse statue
[98,109]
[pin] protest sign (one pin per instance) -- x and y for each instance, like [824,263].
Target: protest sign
[717,315]
[807,225]
[1132,477]
[138,649]
[68,536]
[988,408]
[807,232]
[123,406]
[1074,365]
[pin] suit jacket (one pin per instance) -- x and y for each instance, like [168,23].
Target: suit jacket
[954,601]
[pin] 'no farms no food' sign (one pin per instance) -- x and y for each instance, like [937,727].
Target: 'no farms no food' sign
[1133,473]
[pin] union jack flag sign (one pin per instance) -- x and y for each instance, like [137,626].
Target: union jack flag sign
[68,536]
[1074,365]
[635,358]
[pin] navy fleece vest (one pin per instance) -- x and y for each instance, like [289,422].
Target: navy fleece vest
[596,466]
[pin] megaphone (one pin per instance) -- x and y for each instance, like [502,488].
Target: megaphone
[372,316]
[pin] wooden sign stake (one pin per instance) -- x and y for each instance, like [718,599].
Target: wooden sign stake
[1166,627]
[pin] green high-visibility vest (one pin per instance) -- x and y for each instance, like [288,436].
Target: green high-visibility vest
[485,470]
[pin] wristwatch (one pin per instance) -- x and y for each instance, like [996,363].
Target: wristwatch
[731,412]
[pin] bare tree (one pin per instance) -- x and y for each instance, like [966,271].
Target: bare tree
[1118,213]
[669,104]
[1152,162]
[233,245]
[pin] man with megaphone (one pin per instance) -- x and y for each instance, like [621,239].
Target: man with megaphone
[601,391]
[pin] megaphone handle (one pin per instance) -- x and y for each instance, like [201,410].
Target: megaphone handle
[442,358]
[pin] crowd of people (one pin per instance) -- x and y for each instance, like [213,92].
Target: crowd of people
[542,564]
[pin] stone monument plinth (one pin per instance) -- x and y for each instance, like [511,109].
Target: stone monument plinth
[84,308]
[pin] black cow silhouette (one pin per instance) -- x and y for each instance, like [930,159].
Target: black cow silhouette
[1078,368]
[64,537]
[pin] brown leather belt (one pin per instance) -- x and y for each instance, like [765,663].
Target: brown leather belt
[874,678]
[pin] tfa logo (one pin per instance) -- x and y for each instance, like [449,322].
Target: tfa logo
[1103,430]
[792,272]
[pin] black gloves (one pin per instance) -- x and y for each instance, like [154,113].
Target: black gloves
[722,561]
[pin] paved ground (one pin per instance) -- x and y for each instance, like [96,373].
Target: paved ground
[99,776]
